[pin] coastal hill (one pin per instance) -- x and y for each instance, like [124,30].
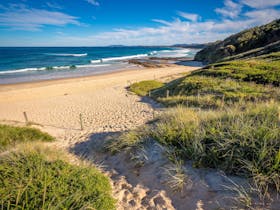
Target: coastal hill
[249,43]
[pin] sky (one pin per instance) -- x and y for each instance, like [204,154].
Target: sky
[128,22]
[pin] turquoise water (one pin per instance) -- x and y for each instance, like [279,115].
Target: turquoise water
[20,64]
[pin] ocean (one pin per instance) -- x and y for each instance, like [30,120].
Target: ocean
[25,64]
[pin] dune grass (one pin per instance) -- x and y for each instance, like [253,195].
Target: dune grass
[30,181]
[241,140]
[142,88]
[220,84]
[36,176]
[211,92]
[11,135]
[261,70]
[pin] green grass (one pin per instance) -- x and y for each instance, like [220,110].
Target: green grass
[211,92]
[242,140]
[143,88]
[11,135]
[220,84]
[33,181]
[261,70]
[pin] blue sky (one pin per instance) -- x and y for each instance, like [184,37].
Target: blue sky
[128,22]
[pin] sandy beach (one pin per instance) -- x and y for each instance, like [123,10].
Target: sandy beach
[102,100]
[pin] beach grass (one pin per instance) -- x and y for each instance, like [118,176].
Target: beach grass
[224,116]
[144,87]
[262,70]
[241,140]
[30,181]
[11,135]
[221,84]
[34,175]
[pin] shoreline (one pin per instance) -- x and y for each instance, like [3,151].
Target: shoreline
[38,83]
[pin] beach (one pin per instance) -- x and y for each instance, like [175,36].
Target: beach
[102,101]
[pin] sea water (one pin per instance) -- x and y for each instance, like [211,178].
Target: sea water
[24,64]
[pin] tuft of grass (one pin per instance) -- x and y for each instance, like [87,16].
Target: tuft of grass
[177,179]
[11,135]
[142,88]
[37,179]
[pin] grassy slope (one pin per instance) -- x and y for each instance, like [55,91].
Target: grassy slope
[32,176]
[239,131]
[223,84]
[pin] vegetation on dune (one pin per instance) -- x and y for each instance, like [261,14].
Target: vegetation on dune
[209,92]
[244,41]
[221,84]
[143,88]
[34,176]
[30,181]
[264,70]
[238,129]
[11,135]
[242,140]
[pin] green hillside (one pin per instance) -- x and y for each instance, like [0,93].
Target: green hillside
[252,42]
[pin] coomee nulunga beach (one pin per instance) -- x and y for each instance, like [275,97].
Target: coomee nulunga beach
[118,105]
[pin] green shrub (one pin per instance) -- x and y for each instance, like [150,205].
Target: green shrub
[32,181]
[11,135]
[143,88]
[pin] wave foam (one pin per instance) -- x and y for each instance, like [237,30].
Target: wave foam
[119,58]
[66,54]
[51,68]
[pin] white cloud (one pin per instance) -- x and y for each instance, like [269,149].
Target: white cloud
[93,2]
[231,9]
[189,16]
[261,3]
[263,16]
[20,17]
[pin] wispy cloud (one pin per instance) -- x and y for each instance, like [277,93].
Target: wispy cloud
[189,16]
[93,2]
[230,10]
[260,4]
[53,5]
[21,17]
